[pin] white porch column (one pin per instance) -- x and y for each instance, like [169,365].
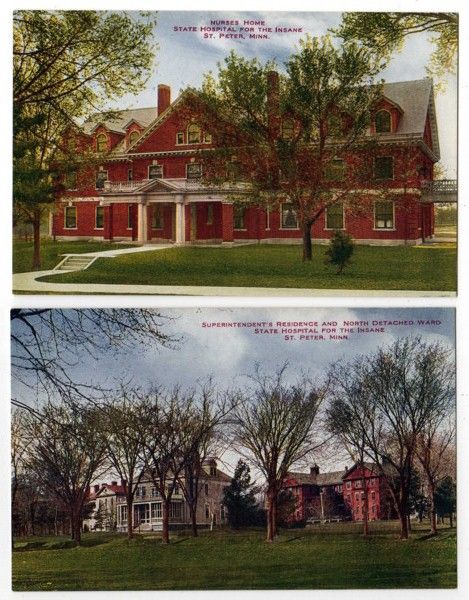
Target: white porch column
[180,220]
[142,222]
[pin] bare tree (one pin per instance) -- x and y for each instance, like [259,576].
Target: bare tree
[124,445]
[435,453]
[66,451]
[401,388]
[47,343]
[274,426]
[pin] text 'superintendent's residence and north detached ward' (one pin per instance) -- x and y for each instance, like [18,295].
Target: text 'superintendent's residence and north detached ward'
[149,186]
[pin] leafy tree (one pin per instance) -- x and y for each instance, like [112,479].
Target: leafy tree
[100,517]
[445,498]
[340,250]
[385,32]
[290,136]
[67,64]
[239,498]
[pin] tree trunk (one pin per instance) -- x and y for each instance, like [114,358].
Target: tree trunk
[433,527]
[451,519]
[270,518]
[165,506]
[365,509]
[36,240]
[307,242]
[130,516]
[193,514]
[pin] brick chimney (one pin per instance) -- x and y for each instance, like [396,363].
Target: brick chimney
[124,483]
[113,482]
[96,488]
[273,105]
[164,97]
[314,470]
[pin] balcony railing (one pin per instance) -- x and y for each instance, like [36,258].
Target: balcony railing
[123,186]
[440,190]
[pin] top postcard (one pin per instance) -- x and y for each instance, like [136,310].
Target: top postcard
[235,153]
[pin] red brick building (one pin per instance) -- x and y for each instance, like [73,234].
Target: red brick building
[147,187]
[340,494]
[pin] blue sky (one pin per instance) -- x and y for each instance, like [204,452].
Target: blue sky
[183,58]
[229,355]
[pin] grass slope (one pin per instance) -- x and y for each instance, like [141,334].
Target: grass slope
[323,557]
[374,267]
[51,252]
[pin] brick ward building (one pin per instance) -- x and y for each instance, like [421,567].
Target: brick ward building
[147,187]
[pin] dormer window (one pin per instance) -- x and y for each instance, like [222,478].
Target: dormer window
[194,134]
[383,121]
[101,142]
[133,137]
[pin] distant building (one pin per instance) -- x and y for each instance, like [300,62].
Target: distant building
[340,495]
[110,499]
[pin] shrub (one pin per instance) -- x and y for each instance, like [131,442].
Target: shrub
[340,250]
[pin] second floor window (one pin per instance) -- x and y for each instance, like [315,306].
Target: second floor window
[70,180]
[384,167]
[335,216]
[155,172]
[101,142]
[101,177]
[194,171]
[194,134]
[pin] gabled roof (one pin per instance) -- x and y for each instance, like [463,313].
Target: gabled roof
[109,487]
[387,468]
[416,99]
[331,478]
[143,116]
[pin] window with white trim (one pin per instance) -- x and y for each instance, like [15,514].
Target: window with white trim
[99,217]
[194,134]
[155,171]
[289,218]
[156,510]
[70,217]
[335,216]
[384,214]
[207,138]
[133,137]
[239,217]
[175,510]
[193,171]
[130,216]
[101,178]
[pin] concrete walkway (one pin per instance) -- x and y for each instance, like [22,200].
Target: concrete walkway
[27,282]
[118,252]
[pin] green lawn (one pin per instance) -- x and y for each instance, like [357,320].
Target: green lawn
[430,267]
[331,556]
[51,252]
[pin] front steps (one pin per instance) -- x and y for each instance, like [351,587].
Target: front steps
[75,262]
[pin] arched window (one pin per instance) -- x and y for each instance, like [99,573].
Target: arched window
[101,142]
[194,134]
[133,137]
[383,121]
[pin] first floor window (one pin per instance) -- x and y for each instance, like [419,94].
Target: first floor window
[123,515]
[99,217]
[239,221]
[384,167]
[101,177]
[207,511]
[156,511]
[206,489]
[194,171]
[142,513]
[335,216]
[157,220]
[175,510]
[267,218]
[70,217]
[289,216]
[155,172]
[384,215]
[222,512]
[130,216]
